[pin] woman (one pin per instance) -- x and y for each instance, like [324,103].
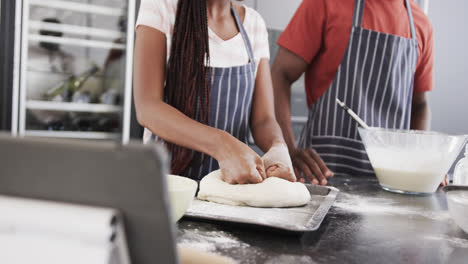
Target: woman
[202,82]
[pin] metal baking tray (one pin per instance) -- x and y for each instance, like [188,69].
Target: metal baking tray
[296,219]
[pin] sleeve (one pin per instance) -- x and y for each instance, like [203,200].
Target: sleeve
[424,75]
[304,34]
[155,14]
[261,47]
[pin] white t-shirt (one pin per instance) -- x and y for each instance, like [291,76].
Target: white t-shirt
[160,14]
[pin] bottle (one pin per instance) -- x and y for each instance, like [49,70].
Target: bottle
[60,92]
[78,82]
[460,176]
[65,90]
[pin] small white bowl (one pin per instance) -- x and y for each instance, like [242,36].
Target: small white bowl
[457,200]
[181,194]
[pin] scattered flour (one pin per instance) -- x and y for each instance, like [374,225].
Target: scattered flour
[210,240]
[290,259]
[453,241]
[376,206]
[203,246]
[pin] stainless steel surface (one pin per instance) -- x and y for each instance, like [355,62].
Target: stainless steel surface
[23,68]
[16,70]
[295,219]
[126,118]
[365,225]
[449,188]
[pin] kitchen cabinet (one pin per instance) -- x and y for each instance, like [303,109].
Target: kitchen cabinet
[73,68]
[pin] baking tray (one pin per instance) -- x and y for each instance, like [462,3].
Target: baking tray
[296,219]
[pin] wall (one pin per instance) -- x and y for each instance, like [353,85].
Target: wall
[449,100]
[276,13]
[251,3]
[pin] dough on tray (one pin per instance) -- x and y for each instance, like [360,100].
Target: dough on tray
[272,192]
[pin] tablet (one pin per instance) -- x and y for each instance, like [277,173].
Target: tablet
[128,178]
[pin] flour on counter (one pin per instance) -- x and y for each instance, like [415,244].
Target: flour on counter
[453,241]
[282,259]
[210,241]
[203,246]
[382,206]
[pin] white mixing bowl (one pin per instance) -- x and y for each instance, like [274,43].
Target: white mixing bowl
[181,194]
[457,200]
[411,162]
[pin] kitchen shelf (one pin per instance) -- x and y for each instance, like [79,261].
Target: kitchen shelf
[76,30]
[77,42]
[98,75]
[79,7]
[81,29]
[73,107]
[72,134]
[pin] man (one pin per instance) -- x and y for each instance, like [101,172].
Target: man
[376,56]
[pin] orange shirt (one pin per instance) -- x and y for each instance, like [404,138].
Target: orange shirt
[319,33]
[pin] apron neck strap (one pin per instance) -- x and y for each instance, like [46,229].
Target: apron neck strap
[359,14]
[245,37]
[411,19]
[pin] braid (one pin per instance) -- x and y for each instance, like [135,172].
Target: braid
[188,82]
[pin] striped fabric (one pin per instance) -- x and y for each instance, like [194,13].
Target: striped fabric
[231,101]
[375,79]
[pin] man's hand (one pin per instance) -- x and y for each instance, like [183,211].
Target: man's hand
[308,163]
[445,182]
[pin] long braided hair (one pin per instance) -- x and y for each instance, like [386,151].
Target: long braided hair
[188,82]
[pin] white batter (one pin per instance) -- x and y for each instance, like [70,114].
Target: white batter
[409,170]
[272,192]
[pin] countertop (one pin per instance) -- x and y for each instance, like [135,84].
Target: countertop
[365,225]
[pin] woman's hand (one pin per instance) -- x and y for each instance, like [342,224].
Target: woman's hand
[238,162]
[278,163]
[309,163]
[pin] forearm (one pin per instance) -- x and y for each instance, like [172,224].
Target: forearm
[276,160]
[266,133]
[421,117]
[283,109]
[173,126]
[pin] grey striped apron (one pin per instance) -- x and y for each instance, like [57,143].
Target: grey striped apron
[231,102]
[375,79]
